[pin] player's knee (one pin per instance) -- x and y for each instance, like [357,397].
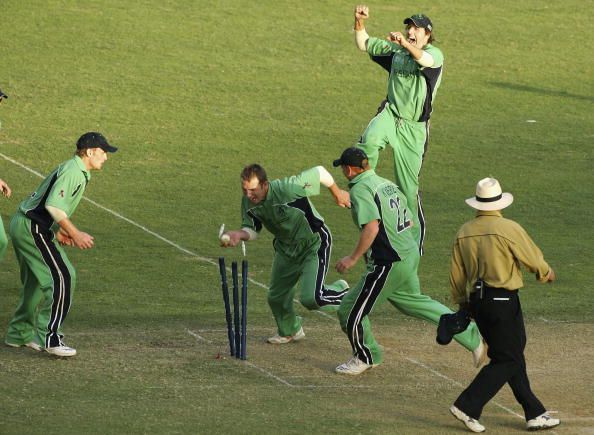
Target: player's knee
[275,298]
[309,302]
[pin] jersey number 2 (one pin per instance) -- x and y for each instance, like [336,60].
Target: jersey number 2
[402,222]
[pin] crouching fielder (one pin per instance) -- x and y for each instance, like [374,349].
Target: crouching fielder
[302,242]
[38,230]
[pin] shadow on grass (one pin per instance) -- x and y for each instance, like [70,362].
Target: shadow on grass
[541,91]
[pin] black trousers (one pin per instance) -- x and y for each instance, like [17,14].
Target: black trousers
[499,319]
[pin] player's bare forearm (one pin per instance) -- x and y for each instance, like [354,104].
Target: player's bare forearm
[63,238]
[80,239]
[342,197]
[366,238]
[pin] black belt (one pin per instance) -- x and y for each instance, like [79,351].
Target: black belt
[480,290]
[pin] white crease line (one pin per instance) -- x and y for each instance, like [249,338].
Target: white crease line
[267,373]
[555,321]
[198,336]
[436,373]
[216,330]
[278,378]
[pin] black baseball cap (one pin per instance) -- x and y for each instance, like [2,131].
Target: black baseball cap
[351,157]
[94,140]
[420,20]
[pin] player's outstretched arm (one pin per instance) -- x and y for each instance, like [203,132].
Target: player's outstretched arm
[361,36]
[342,197]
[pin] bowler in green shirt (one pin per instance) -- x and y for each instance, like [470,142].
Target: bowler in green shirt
[302,242]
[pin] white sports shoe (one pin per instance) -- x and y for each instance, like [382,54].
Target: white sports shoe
[479,355]
[278,339]
[544,421]
[354,366]
[30,345]
[469,422]
[61,350]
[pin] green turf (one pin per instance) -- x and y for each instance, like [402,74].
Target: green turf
[191,92]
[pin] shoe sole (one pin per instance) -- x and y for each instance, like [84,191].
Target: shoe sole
[349,373]
[534,429]
[61,355]
[354,373]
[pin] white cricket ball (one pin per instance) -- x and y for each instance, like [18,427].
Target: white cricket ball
[225,238]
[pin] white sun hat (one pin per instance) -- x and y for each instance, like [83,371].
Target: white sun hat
[489,196]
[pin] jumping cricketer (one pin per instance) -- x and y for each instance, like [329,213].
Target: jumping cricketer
[415,75]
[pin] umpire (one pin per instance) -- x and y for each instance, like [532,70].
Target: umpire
[487,255]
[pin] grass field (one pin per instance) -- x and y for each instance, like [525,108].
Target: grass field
[193,91]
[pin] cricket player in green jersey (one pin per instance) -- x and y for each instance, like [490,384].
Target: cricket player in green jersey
[302,242]
[39,229]
[380,210]
[5,190]
[415,75]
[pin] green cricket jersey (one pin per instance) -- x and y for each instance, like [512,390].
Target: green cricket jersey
[287,213]
[63,189]
[411,87]
[375,198]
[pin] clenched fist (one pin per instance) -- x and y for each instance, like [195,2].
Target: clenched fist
[361,12]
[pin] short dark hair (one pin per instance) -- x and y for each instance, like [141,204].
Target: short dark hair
[254,170]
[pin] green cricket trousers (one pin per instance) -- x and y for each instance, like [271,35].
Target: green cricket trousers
[48,280]
[309,268]
[408,140]
[398,283]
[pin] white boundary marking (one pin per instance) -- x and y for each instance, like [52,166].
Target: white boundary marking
[259,284]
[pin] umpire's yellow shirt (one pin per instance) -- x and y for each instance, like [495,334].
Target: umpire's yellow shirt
[493,248]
